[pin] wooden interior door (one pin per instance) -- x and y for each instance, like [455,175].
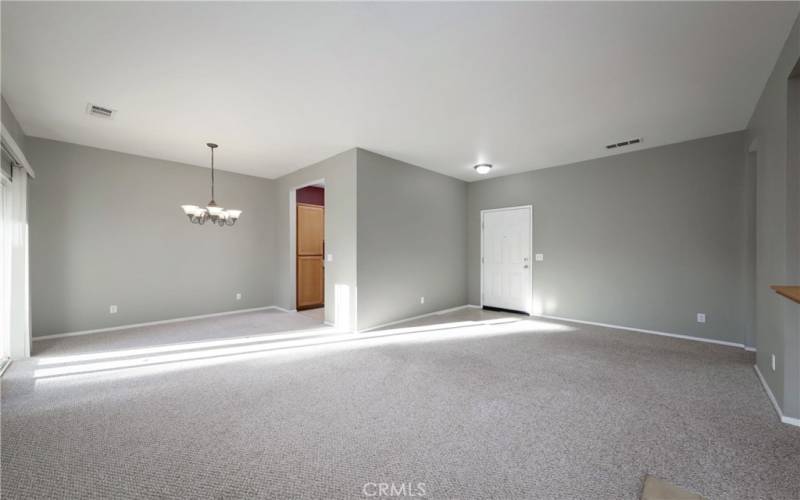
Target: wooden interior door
[310,251]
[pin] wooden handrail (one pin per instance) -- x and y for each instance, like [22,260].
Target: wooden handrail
[788,291]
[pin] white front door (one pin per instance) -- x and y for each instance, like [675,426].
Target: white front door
[506,258]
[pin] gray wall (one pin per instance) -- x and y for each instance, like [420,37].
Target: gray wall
[107,228]
[411,240]
[339,173]
[777,320]
[12,125]
[645,239]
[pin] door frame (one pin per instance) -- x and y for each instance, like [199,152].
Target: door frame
[297,258]
[5,272]
[293,243]
[530,268]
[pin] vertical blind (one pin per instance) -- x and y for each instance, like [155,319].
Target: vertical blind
[6,166]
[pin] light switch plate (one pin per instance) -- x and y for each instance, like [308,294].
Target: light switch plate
[239,296]
[539,257]
[330,257]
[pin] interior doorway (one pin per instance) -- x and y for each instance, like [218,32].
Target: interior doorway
[506,268]
[310,248]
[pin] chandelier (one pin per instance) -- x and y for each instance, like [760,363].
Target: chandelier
[213,212]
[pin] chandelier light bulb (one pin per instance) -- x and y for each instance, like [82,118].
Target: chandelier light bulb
[213,212]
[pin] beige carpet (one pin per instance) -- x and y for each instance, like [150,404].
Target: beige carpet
[472,404]
[317,314]
[216,327]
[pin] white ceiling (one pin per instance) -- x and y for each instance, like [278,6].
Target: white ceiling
[445,86]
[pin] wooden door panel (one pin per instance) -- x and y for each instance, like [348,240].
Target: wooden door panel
[310,247]
[310,229]
[310,281]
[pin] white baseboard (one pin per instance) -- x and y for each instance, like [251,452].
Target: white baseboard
[150,323]
[783,418]
[641,330]
[652,332]
[434,313]
[769,392]
[282,309]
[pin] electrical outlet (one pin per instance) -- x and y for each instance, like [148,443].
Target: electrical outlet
[422,300]
[772,362]
[701,317]
[238,295]
[112,309]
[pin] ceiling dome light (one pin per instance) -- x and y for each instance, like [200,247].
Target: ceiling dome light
[483,168]
[213,212]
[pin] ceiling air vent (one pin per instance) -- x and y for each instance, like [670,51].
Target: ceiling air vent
[100,111]
[629,142]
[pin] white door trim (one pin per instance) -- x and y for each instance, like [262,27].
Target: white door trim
[530,268]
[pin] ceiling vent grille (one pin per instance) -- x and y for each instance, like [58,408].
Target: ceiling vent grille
[100,111]
[622,144]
